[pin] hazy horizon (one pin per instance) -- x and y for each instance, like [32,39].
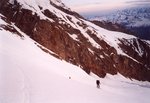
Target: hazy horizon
[92,7]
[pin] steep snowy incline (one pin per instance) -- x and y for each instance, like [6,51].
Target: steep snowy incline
[29,75]
[79,41]
[38,6]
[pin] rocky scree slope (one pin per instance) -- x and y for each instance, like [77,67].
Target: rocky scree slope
[80,42]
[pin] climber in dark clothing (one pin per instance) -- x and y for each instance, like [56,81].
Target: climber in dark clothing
[98,83]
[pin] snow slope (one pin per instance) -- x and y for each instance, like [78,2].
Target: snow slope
[29,75]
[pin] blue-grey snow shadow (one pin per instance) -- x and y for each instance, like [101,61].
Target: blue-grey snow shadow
[141,85]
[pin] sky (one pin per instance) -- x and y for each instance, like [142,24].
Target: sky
[91,6]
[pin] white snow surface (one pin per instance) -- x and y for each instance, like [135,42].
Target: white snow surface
[74,37]
[29,75]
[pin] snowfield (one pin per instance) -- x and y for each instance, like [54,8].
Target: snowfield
[29,75]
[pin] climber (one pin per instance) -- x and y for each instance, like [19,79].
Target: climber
[98,83]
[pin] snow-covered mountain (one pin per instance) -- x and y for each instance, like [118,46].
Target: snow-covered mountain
[78,41]
[135,19]
[38,36]
[44,48]
[30,75]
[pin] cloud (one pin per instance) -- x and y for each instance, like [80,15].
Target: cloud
[138,1]
[97,7]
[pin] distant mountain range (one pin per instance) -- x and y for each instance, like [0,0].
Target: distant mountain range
[135,20]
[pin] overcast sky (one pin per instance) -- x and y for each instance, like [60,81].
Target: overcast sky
[84,6]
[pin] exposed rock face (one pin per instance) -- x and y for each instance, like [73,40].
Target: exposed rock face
[65,37]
